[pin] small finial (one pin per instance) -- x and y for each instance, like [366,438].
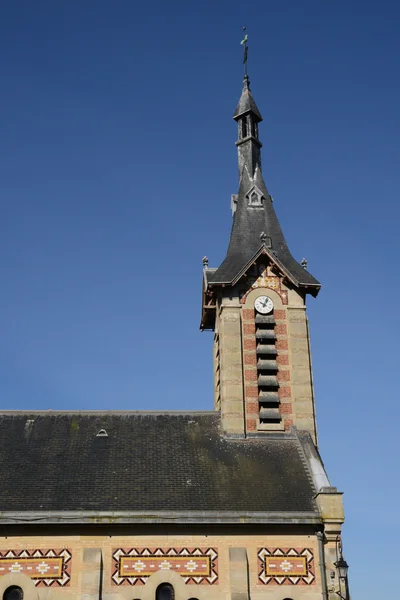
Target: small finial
[263,237]
[304,262]
[245,49]
[205,262]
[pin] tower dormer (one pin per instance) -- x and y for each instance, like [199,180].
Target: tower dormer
[255,304]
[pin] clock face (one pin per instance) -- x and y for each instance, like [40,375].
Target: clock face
[263,305]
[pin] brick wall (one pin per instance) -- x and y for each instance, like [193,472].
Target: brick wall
[250,362]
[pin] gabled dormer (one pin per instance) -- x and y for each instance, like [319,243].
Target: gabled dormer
[255,197]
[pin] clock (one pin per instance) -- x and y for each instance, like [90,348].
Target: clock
[263,305]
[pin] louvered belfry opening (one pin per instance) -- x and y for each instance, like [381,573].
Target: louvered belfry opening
[267,369]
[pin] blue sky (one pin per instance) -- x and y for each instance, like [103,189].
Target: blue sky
[117,162]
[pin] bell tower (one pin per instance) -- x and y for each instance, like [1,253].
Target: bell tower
[255,302]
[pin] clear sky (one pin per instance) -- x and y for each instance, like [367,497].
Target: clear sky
[117,162]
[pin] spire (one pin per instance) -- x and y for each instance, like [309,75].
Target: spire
[246,104]
[248,117]
[255,225]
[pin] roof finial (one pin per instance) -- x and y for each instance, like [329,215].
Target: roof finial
[205,262]
[245,51]
[304,263]
[263,237]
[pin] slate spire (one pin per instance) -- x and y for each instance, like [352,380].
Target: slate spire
[248,117]
[255,227]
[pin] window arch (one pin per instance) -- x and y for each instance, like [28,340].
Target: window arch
[244,127]
[13,592]
[165,591]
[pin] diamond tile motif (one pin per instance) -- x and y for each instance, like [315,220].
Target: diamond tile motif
[194,565]
[292,566]
[44,567]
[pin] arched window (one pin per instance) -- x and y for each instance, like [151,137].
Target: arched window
[165,591]
[193,598]
[13,593]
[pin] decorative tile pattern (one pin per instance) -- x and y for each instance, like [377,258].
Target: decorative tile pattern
[265,277]
[265,281]
[195,565]
[45,567]
[286,566]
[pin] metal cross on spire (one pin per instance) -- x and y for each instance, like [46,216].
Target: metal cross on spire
[245,49]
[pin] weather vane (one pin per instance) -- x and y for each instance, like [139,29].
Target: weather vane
[245,49]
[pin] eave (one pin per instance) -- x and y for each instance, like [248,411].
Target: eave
[131,517]
[313,289]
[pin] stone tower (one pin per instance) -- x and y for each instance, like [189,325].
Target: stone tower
[255,303]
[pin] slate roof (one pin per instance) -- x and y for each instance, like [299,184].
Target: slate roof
[246,102]
[245,242]
[250,222]
[53,461]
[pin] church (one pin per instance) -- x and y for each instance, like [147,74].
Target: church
[233,503]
